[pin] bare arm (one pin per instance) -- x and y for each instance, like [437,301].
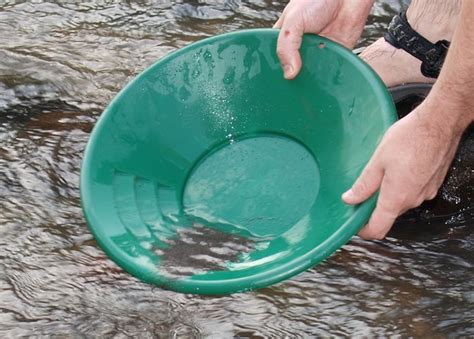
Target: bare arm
[454,89]
[413,158]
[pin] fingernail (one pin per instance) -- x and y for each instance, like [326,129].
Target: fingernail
[287,70]
[348,195]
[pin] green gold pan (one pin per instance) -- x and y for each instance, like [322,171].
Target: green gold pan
[211,174]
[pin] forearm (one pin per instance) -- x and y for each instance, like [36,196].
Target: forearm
[452,97]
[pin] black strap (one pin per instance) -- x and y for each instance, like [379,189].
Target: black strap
[401,35]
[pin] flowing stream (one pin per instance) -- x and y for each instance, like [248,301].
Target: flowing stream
[60,64]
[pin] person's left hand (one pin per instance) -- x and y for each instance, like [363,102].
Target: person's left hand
[408,167]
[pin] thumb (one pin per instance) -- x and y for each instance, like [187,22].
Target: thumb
[289,43]
[366,185]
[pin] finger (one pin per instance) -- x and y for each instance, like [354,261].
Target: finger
[433,186]
[289,43]
[390,204]
[380,221]
[367,183]
[278,22]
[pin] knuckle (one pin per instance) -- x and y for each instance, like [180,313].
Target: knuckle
[413,201]
[407,200]
[374,231]
[360,187]
[419,201]
[372,235]
[431,195]
[365,234]
[395,202]
[280,52]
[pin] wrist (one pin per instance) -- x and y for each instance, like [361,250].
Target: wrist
[422,22]
[449,109]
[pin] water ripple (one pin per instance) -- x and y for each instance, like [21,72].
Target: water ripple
[60,64]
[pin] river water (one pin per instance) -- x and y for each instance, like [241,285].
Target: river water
[60,64]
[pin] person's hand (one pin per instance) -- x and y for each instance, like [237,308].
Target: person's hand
[338,20]
[408,166]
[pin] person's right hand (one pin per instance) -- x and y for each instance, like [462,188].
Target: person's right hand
[338,20]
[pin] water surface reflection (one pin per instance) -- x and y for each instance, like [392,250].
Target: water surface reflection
[60,64]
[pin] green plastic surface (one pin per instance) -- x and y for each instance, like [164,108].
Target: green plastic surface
[211,174]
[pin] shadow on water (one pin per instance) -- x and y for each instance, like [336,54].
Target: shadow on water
[59,66]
